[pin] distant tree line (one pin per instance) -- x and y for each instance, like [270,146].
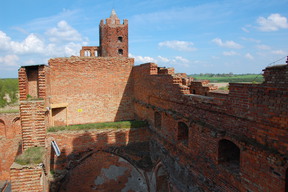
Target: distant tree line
[8,91]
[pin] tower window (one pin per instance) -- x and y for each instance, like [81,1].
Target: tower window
[120,51]
[120,39]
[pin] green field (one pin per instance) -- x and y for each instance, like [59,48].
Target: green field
[229,78]
[8,91]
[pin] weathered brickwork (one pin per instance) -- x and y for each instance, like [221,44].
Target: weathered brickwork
[102,148]
[32,82]
[33,124]
[251,117]
[198,139]
[98,89]
[26,179]
[10,142]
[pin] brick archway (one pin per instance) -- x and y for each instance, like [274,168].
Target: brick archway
[104,170]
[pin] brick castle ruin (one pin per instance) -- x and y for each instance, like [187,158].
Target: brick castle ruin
[197,138]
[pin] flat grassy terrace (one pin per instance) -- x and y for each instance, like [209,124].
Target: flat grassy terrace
[33,155]
[106,125]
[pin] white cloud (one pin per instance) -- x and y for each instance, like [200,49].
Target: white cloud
[32,44]
[229,53]
[141,59]
[245,29]
[279,52]
[9,60]
[228,44]
[178,45]
[263,47]
[249,56]
[63,32]
[173,61]
[4,41]
[163,59]
[272,23]
[251,40]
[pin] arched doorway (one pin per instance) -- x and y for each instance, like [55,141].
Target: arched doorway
[162,184]
[229,155]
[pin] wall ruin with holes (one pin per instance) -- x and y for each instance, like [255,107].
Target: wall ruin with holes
[10,142]
[250,122]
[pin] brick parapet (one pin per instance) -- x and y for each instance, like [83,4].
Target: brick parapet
[253,116]
[276,75]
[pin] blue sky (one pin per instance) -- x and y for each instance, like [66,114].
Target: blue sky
[240,36]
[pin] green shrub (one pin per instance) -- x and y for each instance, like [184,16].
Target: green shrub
[10,87]
[33,155]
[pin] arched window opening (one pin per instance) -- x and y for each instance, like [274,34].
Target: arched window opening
[87,53]
[120,39]
[2,128]
[229,155]
[194,91]
[286,181]
[96,53]
[157,120]
[120,51]
[183,133]
[162,183]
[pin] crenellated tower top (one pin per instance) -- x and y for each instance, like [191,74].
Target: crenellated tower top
[114,37]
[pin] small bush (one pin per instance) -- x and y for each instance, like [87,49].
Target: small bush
[32,155]
[115,125]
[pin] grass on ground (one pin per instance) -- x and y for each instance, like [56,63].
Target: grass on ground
[115,125]
[32,155]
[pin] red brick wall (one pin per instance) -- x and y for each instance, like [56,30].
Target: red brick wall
[10,139]
[253,117]
[96,89]
[81,149]
[73,142]
[26,179]
[33,114]
[32,81]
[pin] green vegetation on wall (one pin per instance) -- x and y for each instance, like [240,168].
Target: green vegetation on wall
[229,78]
[106,125]
[33,155]
[8,88]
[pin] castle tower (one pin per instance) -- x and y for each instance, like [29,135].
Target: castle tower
[113,37]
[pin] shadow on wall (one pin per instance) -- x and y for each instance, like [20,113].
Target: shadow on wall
[102,160]
[125,109]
